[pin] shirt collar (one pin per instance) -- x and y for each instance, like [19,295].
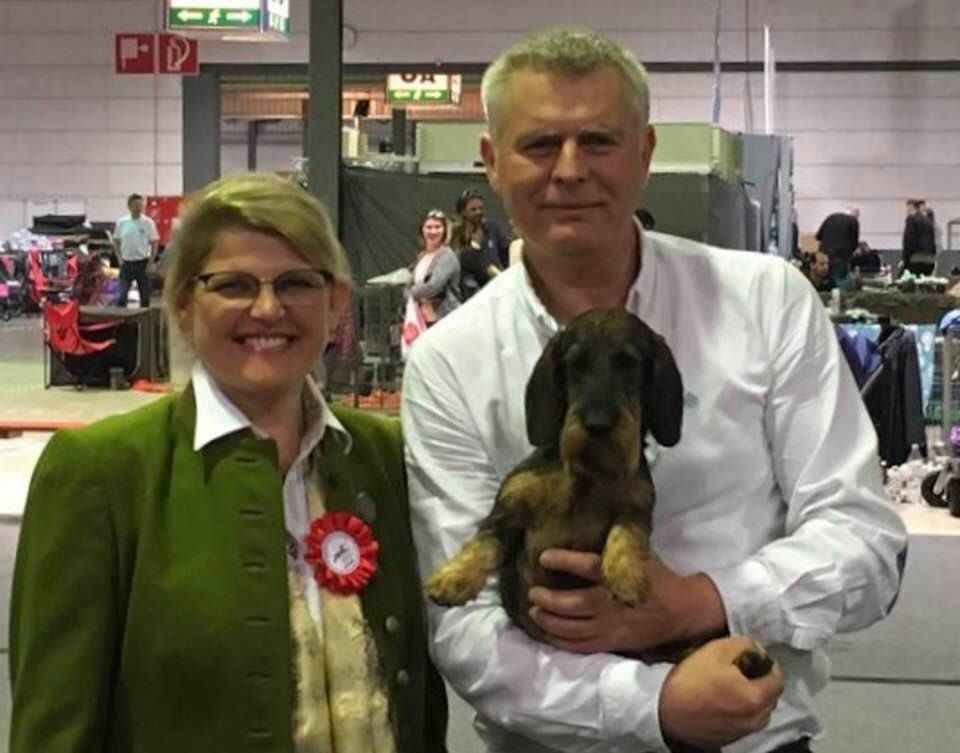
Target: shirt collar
[639,291]
[217,416]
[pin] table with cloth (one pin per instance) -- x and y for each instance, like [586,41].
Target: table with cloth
[143,347]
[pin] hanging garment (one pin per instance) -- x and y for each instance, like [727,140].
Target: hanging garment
[893,396]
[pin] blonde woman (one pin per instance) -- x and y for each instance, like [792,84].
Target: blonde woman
[229,568]
[436,272]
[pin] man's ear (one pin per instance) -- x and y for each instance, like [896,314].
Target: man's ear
[489,154]
[649,144]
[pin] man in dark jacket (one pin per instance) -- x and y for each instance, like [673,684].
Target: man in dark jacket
[919,243]
[839,235]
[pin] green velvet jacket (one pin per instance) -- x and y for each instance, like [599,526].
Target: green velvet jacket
[150,610]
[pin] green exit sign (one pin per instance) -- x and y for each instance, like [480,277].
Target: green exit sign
[428,96]
[213,18]
[421,88]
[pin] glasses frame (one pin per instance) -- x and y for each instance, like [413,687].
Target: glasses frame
[205,278]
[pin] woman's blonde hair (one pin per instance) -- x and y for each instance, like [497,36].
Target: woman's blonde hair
[252,201]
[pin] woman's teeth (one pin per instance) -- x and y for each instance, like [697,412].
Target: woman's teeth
[266,343]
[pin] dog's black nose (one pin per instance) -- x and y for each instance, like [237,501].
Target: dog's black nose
[598,421]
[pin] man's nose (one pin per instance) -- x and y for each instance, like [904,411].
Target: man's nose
[570,165]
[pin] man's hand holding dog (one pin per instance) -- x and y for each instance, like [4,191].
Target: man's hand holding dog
[707,702]
[678,608]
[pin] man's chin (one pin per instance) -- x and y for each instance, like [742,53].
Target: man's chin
[573,241]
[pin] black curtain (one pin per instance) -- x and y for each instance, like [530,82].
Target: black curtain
[381,212]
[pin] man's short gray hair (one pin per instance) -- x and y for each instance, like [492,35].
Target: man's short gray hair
[570,51]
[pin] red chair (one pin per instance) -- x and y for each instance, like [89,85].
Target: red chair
[67,341]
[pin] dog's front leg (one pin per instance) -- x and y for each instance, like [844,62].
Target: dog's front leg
[624,561]
[462,578]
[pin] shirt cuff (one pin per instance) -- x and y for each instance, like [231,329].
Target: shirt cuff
[750,600]
[631,716]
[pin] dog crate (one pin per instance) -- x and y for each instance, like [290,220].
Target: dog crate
[381,311]
[363,367]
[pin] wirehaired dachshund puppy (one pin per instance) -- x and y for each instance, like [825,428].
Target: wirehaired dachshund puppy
[598,388]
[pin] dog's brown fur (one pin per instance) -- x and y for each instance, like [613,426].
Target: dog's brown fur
[597,389]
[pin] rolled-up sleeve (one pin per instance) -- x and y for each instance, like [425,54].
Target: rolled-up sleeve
[569,702]
[839,565]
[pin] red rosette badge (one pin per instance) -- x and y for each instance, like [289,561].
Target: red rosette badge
[342,551]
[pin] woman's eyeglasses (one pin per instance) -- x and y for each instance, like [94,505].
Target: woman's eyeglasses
[295,288]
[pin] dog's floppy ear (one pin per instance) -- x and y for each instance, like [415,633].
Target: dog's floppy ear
[663,395]
[546,397]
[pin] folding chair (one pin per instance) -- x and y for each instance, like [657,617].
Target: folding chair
[68,342]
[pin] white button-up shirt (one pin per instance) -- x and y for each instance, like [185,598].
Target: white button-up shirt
[774,492]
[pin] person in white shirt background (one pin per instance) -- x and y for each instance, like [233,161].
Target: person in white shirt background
[135,239]
[771,520]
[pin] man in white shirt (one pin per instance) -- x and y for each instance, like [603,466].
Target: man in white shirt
[771,519]
[135,240]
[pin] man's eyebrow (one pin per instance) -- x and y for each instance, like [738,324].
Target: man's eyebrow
[538,135]
[547,132]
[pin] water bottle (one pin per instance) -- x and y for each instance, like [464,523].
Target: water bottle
[913,477]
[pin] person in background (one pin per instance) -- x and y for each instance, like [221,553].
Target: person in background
[474,229]
[771,522]
[229,568]
[839,235]
[477,243]
[435,286]
[819,272]
[135,240]
[866,259]
[919,248]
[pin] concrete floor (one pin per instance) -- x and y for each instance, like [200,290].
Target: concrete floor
[896,686]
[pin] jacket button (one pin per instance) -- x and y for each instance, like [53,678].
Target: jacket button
[392,624]
[403,678]
[366,507]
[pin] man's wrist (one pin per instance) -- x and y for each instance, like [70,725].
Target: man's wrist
[700,614]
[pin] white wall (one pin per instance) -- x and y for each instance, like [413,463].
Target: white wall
[71,129]
[864,139]
[72,133]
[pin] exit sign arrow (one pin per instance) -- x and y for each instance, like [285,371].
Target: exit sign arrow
[242,15]
[190,15]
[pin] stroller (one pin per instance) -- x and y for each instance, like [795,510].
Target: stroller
[941,488]
[41,285]
[11,289]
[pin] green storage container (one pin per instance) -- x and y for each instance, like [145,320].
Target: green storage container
[702,148]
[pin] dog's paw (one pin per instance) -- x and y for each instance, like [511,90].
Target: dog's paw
[628,585]
[623,566]
[754,663]
[454,585]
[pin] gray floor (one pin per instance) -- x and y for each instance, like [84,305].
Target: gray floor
[896,686]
